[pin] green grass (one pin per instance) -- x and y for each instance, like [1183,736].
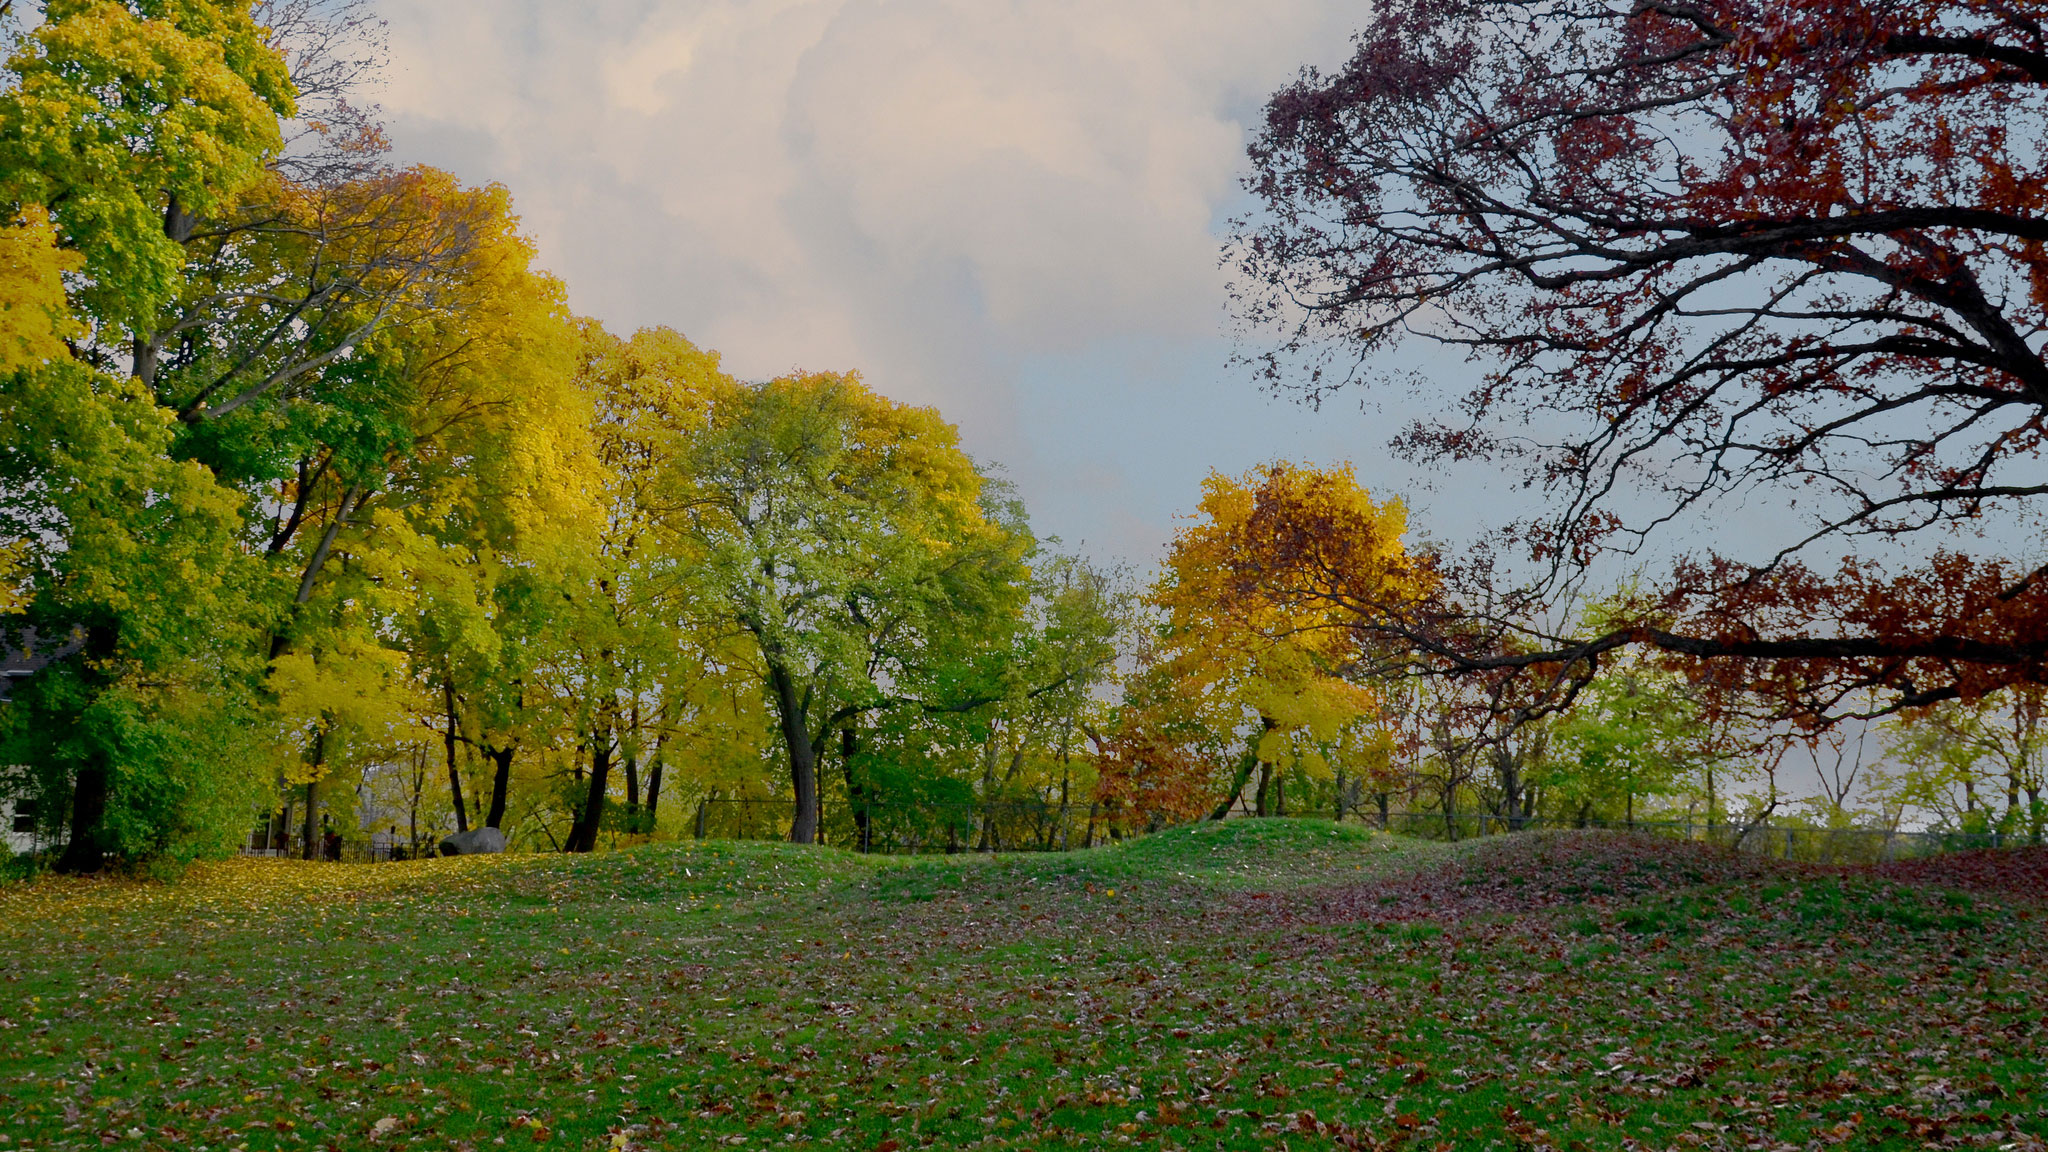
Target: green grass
[1249,985]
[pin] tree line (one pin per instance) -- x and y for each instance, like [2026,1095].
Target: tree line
[316,499]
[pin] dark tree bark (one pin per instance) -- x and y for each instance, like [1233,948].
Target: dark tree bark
[654,786]
[857,794]
[309,833]
[583,833]
[501,783]
[84,852]
[1245,766]
[454,770]
[793,712]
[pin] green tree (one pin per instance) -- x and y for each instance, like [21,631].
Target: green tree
[837,530]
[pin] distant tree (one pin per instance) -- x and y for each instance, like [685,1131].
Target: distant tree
[1709,250]
[1257,598]
[1975,766]
[840,532]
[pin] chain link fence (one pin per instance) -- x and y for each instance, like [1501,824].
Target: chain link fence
[1781,841]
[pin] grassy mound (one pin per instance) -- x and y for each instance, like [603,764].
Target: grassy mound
[2021,872]
[1512,875]
[1208,857]
[1253,984]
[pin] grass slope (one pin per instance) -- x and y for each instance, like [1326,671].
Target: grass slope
[1247,985]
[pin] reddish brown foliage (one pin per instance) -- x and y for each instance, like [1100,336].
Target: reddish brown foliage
[2012,871]
[1718,249]
[1516,874]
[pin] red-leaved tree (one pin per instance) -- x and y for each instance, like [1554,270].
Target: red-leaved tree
[1722,251]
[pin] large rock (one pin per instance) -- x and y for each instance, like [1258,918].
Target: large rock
[475,842]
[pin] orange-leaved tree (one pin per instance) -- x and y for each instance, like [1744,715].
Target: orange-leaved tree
[1259,598]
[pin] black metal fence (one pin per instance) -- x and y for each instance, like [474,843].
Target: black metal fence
[1033,826]
[1050,826]
[374,849]
[927,826]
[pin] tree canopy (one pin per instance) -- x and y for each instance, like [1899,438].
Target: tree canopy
[1706,253]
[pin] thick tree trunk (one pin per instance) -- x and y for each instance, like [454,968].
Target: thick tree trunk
[1265,792]
[1507,766]
[84,852]
[1245,764]
[312,831]
[501,784]
[793,712]
[309,834]
[654,788]
[583,834]
[632,792]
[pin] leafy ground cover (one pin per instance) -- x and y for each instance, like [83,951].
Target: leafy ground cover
[1272,984]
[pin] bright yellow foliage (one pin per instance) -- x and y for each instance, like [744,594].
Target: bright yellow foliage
[34,321]
[1259,593]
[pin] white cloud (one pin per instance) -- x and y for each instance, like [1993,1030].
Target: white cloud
[941,193]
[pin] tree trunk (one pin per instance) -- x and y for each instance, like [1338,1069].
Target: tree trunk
[632,791]
[654,787]
[309,847]
[583,833]
[501,784]
[84,852]
[1245,764]
[1265,792]
[857,797]
[312,845]
[1507,766]
[793,712]
[454,772]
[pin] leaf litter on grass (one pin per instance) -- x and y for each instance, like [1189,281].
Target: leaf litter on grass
[1205,988]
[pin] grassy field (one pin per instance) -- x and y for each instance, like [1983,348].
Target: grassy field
[1275,984]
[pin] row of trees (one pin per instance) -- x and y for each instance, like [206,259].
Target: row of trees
[313,490]
[1268,682]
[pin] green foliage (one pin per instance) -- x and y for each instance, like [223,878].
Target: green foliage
[120,112]
[1633,737]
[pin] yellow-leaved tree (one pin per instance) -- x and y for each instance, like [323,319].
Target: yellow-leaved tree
[1257,600]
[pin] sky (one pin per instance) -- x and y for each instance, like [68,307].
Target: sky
[1011,211]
